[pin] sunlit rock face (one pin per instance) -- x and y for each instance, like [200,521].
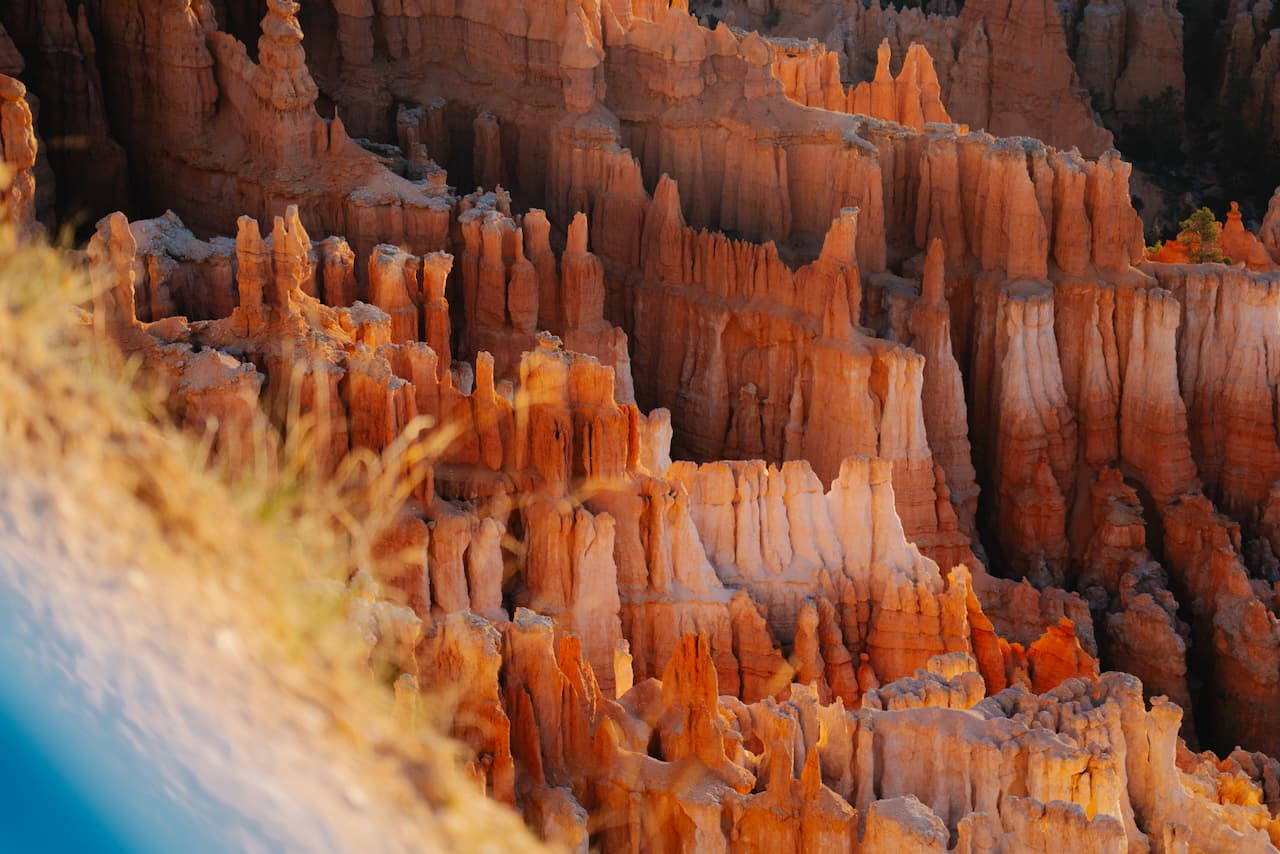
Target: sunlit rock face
[800,466]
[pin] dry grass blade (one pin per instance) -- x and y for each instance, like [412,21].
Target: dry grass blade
[221,583]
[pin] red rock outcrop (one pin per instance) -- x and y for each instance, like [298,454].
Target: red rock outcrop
[18,147]
[222,135]
[1143,633]
[795,770]
[511,289]
[912,97]
[1020,36]
[1249,64]
[1105,55]
[1057,657]
[1229,409]
[56,54]
[1130,51]
[945,410]
[1241,246]
[568,572]
[618,204]
[1230,622]
[1237,245]
[841,324]
[773,532]
[1006,67]
[1269,233]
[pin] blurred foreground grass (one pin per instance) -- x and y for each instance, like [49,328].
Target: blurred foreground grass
[92,471]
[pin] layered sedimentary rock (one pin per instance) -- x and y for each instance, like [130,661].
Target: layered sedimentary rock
[57,49]
[892,642]
[12,64]
[775,534]
[1249,65]
[558,437]
[812,77]
[216,134]
[513,285]
[1019,37]
[1119,58]
[1011,68]
[569,555]
[719,772]
[615,196]
[945,411]
[1237,245]
[1144,634]
[943,454]
[1126,52]
[18,146]
[1269,233]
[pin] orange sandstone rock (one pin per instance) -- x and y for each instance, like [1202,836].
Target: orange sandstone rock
[18,154]
[1057,656]
[784,646]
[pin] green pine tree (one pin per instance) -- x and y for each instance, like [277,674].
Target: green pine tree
[1200,233]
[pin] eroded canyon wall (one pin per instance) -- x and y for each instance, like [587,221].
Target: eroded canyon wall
[942,449]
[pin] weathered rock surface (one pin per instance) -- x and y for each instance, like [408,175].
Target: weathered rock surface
[18,145]
[55,51]
[1023,68]
[790,465]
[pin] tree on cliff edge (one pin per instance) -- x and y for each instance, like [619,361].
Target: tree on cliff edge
[1200,233]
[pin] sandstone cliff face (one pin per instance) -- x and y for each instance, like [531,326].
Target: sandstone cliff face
[556,715]
[721,773]
[18,146]
[1235,463]
[1019,37]
[1250,62]
[912,97]
[1144,634]
[613,192]
[1242,246]
[513,285]
[1238,245]
[216,134]
[1129,51]
[12,64]
[56,54]
[1011,68]
[773,533]
[883,349]
[1000,64]
[1269,234]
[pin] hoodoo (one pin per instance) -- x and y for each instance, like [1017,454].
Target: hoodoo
[778,430]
